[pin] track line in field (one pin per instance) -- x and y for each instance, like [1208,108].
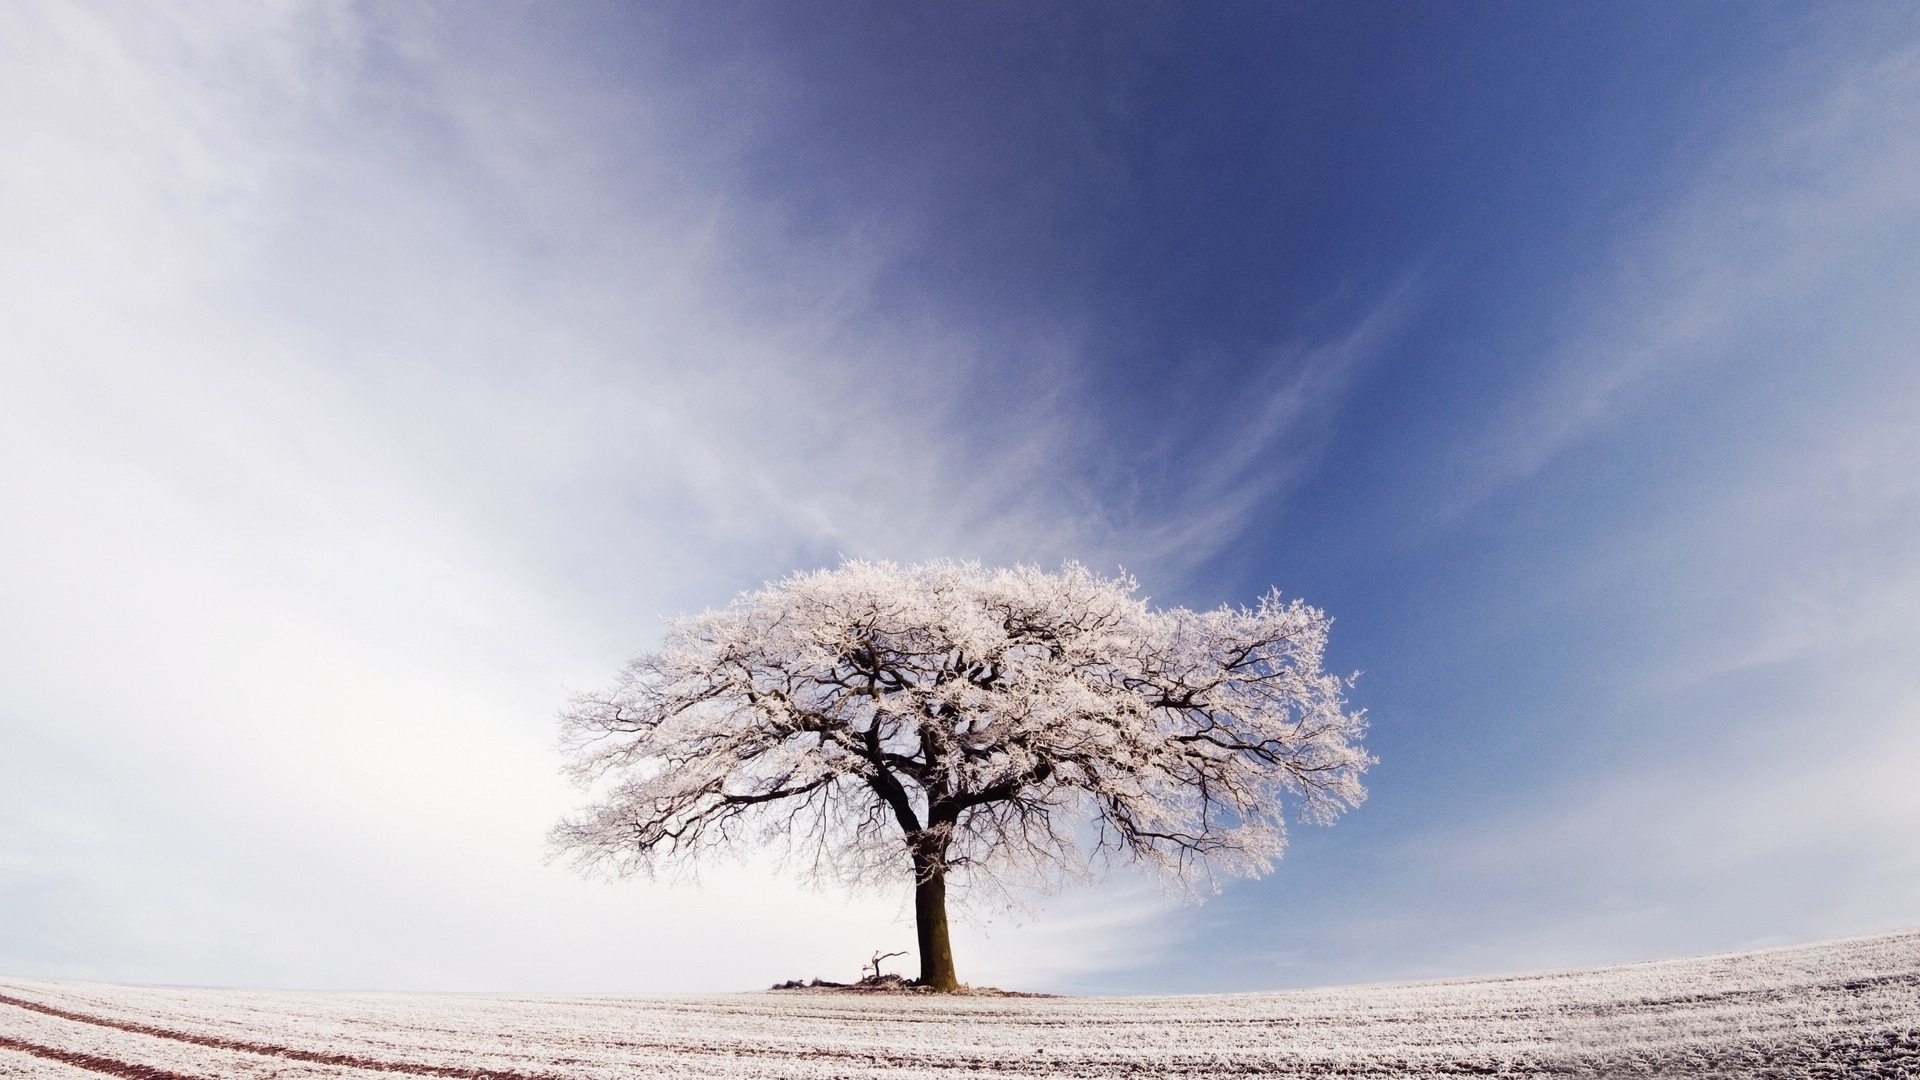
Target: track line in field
[93,1062]
[866,1057]
[215,1042]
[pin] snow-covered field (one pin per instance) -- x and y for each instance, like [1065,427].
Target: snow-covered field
[1835,1009]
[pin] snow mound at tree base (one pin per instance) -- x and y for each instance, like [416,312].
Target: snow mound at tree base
[897,984]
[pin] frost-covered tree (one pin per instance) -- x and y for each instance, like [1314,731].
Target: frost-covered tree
[950,723]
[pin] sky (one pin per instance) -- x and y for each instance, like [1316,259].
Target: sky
[372,377]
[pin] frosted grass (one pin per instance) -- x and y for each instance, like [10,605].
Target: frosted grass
[1842,1008]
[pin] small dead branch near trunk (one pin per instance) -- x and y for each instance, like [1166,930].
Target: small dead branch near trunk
[875,962]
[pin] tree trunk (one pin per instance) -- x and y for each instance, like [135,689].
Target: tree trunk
[930,915]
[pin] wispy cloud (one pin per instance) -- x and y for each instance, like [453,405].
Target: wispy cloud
[1782,212]
[1731,597]
[1210,473]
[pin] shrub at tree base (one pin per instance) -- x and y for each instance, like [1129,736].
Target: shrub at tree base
[947,723]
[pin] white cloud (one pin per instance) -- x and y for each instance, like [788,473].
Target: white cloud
[357,397]
[291,443]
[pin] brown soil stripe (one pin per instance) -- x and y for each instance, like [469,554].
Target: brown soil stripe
[93,1062]
[315,1057]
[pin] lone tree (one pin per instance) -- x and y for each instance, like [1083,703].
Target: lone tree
[947,722]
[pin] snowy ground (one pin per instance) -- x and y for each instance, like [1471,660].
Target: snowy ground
[1836,1009]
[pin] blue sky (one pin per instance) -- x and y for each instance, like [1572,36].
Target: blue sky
[372,375]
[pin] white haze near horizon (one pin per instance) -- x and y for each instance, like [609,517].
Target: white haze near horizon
[356,402]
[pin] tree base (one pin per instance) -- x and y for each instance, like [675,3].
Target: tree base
[898,984]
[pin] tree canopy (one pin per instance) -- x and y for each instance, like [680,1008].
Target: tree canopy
[945,721]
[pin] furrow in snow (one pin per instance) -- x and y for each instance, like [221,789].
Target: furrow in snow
[20,1063]
[101,1049]
[289,1053]
[91,1062]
